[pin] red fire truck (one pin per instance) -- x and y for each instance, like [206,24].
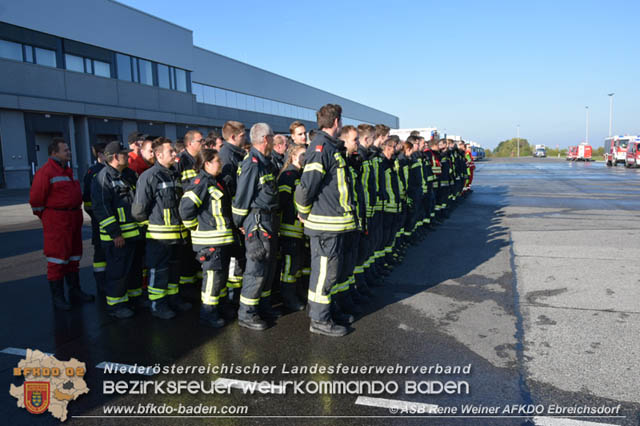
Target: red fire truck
[615,149]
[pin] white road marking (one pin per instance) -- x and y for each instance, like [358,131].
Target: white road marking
[19,352]
[117,366]
[258,387]
[560,421]
[396,404]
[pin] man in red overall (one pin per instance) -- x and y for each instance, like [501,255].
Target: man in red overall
[56,199]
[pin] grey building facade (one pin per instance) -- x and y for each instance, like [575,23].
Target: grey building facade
[65,73]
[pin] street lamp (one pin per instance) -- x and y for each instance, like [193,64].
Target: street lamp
[587,137]
[610,112]
[518,139]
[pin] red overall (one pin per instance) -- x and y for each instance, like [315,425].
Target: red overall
[56,199]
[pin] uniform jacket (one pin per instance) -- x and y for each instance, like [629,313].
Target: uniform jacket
[369,181]
[157,202]
[256,187]
[205,208]
[186,167]
[112,194]
[324,197]
[86,187]
[54,187]
[231,156]
[392,203]
[290,225]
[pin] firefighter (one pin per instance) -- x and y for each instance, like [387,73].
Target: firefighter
[255,213]
[362,271]
[144,159]
[414,179]
[56,198]
[205,209]
[325,204]
[392,204]
[292,247]
[156,205]
[279,150]
[112,193]
[99,259]
[381,133]
[298,133]
[344,292]
[231,154]
[189,267]
[470,168]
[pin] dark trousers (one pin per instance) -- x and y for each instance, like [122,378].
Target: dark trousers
[215,271]
[327,251]
[163,261]
[124,274]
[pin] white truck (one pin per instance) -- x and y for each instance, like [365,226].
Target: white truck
[540,151]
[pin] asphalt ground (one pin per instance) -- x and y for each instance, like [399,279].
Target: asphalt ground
[533,282]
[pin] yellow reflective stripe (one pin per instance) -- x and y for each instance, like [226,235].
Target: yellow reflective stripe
[165,228]
[266,178]
[190,223]
[392,195]
[303,209]
[284,188]
[111,301]
[172,289]
[239,212]
[121,216]
[329,227]
[317,296]
[164,236]
[265,294]
[216,211]
[125,235]
[107,221]
[310,167]
[188,174]
[286,276]
[193,197]
[347,218]
[247,301]
[87,204]
[167,216]
[342,185]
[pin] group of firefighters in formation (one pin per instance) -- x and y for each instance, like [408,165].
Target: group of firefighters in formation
[327,220]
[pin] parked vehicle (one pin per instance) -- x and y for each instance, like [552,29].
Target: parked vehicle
[540,151]
[633,155]
[615,149]
[584,152]
[572,153]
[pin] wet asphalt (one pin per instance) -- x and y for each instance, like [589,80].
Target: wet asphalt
[533,281]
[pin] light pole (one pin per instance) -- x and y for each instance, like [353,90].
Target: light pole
[518,139]
[610,112]
[587,137]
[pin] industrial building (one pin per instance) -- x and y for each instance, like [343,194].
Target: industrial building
[65,73]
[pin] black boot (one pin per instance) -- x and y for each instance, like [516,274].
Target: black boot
[210,316]
[289,298]
[76,295]
[266,311]
[57,295]
[160,309]
[177,303]
[120,311]
[253,323]
[328,328]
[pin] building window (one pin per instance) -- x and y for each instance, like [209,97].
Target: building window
[101,69]
[10,50]
[146,72]
[181,80]
[46,57]
[164,80]
[74,63]
[123,67]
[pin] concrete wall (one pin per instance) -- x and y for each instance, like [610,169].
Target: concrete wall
[216,70]
[106,24]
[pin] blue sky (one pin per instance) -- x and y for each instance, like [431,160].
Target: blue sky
[474,68]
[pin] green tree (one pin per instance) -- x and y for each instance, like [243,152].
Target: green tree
[509,148]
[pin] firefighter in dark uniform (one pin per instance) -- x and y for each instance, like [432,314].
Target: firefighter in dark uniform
[445,177]
[430,189]
[193,141]
[381,133]
[112,193]
[279,151]
[414,179]
[255,213]
[156,206]
[325,203]
[292,239]
[205,209]
[392,202]
[232,153]
[99,260]
[362,271]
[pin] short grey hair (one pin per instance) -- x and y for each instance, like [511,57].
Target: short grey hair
[259,131]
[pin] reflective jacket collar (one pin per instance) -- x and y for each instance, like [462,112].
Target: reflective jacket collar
[163,169]
[326,138]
